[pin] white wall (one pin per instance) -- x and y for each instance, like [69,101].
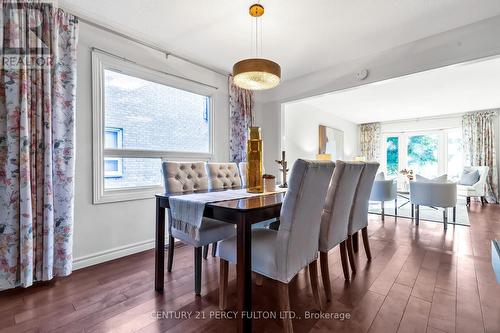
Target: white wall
[107,231]
[467,43]
[301,138]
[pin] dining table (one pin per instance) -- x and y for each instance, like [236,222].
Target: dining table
[243,213]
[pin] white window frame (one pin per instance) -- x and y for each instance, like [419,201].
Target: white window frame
[119,161]
[403,146]
[101,62]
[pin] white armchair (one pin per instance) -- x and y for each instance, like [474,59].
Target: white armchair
[385,190]
[478,189]
[434,194]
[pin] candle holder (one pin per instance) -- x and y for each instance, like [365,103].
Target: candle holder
[284,169]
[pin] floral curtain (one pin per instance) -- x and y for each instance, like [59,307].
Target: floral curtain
[370,141]
[479,146]
[37,113]
[241,117]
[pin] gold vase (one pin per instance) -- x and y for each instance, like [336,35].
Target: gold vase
[254,161]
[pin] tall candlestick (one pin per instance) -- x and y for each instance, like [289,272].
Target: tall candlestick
[284,169]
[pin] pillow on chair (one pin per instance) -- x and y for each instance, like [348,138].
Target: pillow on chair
[440,179]
[469,178]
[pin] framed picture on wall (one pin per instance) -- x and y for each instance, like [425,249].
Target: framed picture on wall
[331,143]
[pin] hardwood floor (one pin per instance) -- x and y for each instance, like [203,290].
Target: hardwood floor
[420,279]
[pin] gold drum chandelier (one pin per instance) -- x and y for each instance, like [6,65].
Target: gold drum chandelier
[256,73]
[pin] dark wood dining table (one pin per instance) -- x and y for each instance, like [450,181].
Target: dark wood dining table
[243,213]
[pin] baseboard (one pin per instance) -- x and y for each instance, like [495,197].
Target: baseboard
[118,252]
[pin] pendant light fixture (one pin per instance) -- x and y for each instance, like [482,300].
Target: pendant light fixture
[256,73]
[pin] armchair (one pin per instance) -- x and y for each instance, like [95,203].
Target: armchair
[478,189]
[434,194]
[385,190]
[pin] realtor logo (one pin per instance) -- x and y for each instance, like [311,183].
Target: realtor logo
[25,35]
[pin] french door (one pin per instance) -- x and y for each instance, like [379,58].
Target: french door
[427,153]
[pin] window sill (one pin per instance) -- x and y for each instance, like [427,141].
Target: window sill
[129,194]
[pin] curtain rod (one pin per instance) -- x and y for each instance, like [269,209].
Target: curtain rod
[143,43]
[153,69]
[447,116]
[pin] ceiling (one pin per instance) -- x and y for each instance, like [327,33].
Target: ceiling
[454,89]
[302,36]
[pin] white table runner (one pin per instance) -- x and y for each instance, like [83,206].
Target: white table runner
[187,210]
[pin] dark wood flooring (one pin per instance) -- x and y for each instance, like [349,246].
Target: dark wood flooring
[421,279]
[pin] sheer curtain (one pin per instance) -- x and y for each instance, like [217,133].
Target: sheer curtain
[370,141]
[37,113]
[240,118]
[479,146]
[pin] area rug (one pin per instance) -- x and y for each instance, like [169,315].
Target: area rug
[426,213]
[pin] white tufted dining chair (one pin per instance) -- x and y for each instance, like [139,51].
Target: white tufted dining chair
[223,176]
[188,177]
[335,217]
[359,213]
[280,255]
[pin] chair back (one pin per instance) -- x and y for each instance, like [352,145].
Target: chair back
[243,173]
[184,176]
[297,239]
[359,212]
[433,194]
[339,199]
[223,176]
[483,173]
[480,186]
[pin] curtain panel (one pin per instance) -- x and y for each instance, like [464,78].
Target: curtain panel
[240,118]
[370,141]
[479,146]
[37,114]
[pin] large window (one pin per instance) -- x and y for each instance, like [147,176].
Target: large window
[142,117]
[427,153]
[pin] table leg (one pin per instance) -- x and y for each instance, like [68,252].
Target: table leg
[159,247]
[244,274]
[412,211]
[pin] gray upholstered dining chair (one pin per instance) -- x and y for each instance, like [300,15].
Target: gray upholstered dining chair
[242,166]
[335,218]
[186,177]
[280,255]
[243,173]
[273,223]
[359,214]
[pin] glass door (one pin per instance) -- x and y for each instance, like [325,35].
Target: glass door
[422,154]
[455,157]
[392,156]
